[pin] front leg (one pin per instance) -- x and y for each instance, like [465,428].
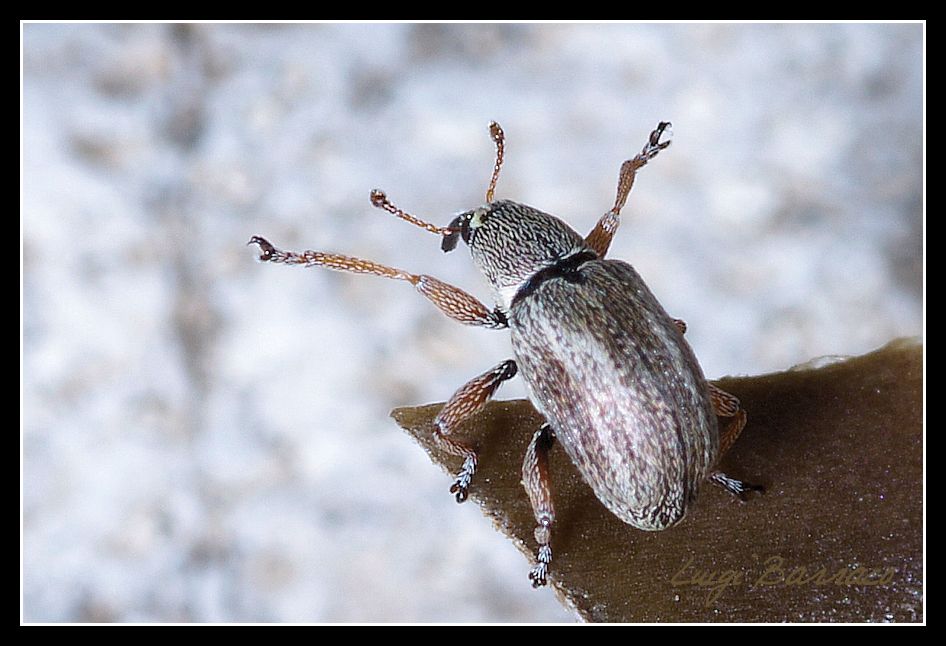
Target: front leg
[452,301]
[466,402]
[600,237]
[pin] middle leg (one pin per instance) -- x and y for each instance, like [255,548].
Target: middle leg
[466,402]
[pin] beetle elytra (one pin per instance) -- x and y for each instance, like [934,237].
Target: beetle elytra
[608,368]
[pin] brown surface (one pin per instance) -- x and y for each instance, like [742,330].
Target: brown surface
[840,451]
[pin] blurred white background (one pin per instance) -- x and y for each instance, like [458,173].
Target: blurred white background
[206,438]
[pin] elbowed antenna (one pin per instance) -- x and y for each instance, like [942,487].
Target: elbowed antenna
[496,133]
[499,137]
[381,201]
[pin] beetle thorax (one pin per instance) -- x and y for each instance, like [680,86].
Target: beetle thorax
[511,242]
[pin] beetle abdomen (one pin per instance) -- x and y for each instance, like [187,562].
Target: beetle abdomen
[624,393]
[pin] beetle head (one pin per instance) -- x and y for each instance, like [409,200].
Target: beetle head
[510,242]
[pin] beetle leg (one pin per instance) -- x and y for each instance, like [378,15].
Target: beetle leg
[737,488]
[535,478]
[727,405]
[466,402]
[452,301]
[600,237]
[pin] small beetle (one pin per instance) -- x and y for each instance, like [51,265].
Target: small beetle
[610,371]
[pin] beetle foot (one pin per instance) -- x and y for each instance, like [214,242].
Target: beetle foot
[654,145]
[737,488]
[540,571]
[461,485]
[267,250]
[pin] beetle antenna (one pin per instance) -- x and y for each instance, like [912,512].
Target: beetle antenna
[499,137]
[381,201]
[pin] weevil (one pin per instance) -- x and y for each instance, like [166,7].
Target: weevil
[610,371]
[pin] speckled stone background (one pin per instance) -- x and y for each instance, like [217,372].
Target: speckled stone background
[206,438]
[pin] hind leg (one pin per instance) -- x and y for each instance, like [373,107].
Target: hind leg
[535,478]
[727,406]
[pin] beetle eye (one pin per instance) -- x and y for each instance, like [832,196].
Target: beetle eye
[451,239]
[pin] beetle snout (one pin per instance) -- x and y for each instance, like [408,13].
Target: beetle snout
[459,226]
